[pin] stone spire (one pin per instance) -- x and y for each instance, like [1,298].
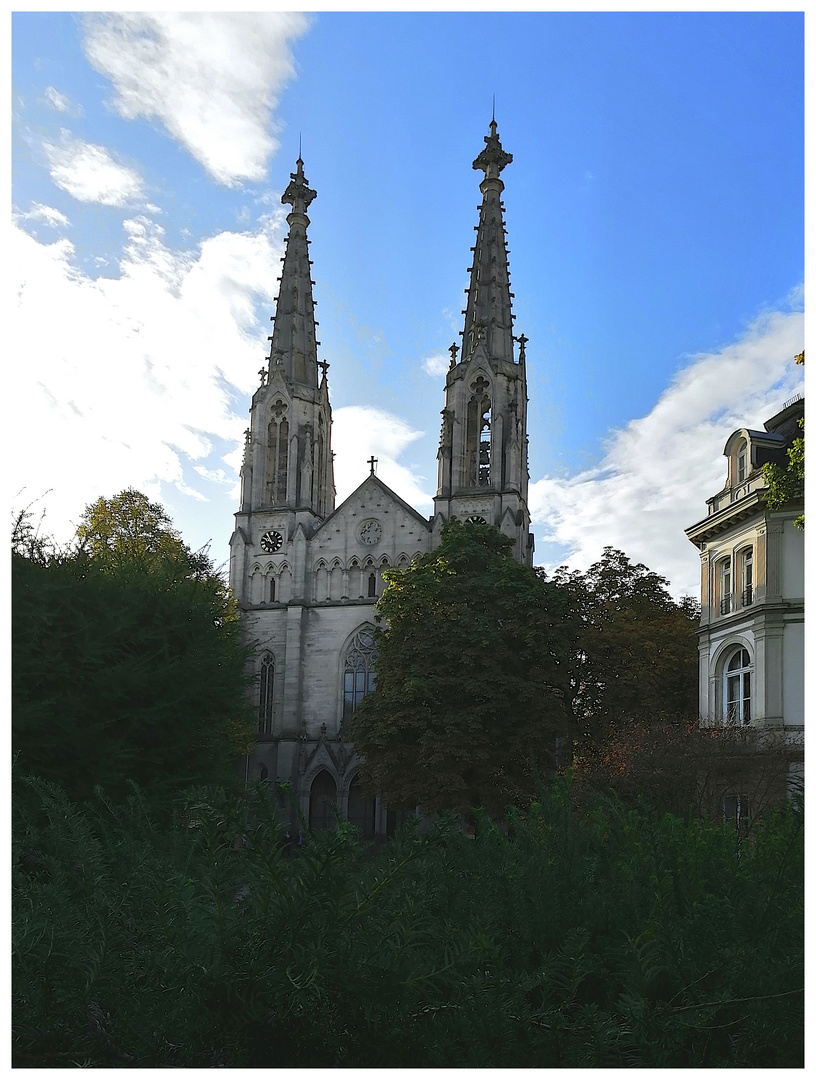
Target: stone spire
[488,316]
[482,455]
[294,342]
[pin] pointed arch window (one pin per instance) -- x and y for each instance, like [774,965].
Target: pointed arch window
[479,435]
[277,459]
[267,686]
[372,584]
[271,590]
[737,687]
[359,677]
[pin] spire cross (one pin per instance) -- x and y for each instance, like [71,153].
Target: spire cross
[453,350]
[372,461]
[522,342]
[323,364]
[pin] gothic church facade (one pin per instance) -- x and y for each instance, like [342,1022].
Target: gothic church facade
[307,573]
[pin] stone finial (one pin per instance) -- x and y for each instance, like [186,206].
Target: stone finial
[493,158]
[298,194]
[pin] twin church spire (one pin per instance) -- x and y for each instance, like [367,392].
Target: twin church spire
[483,448]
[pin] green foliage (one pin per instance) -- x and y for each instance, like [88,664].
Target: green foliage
[470,677]
[609,938]
[787,484]
[130,530]
[634,648]
[127,665]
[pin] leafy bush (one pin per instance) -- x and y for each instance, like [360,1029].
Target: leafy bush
[610,938]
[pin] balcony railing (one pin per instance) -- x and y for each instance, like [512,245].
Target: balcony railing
[747,597]
[726,605]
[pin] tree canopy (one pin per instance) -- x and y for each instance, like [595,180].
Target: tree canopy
[129,528]
[471,676]
[634,650]
[127,658]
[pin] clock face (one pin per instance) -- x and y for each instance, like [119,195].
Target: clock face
[271,541]
[474,519]
[370,532]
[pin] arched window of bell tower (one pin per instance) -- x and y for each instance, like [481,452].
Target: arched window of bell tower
[478,445]
[277,453]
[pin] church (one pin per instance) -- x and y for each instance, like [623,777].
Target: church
[307,573]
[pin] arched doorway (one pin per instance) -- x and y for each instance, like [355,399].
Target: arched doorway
[322,800]
[361,810]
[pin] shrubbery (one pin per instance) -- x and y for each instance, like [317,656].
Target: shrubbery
[610,937]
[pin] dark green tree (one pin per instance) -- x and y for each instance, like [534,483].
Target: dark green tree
[471,678]
[634,648]
[127,662]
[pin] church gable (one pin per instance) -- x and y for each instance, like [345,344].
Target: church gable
[372,525]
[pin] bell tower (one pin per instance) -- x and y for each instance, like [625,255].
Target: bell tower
[287,481]
[483,445]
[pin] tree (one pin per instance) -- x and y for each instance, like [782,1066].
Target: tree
[634,649]
[127,660]
[786,483]
[681,767]
[129,528]
[470,678]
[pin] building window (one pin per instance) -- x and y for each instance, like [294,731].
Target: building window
[272,590]
[372,584]
[747,568]
[267,684]
[742,461]
[277,454]
[737,688]
[478,435]
[725,586]
[358,677]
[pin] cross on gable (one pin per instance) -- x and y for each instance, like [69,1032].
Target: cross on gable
[325,366]
[372,461]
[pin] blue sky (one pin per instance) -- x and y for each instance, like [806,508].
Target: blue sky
[654,212]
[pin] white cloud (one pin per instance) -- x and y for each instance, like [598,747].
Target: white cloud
[90,174]
[657,472]
[47,214]
[212,79]
[358,431]
[436,365]
[60,102]
[126,380]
